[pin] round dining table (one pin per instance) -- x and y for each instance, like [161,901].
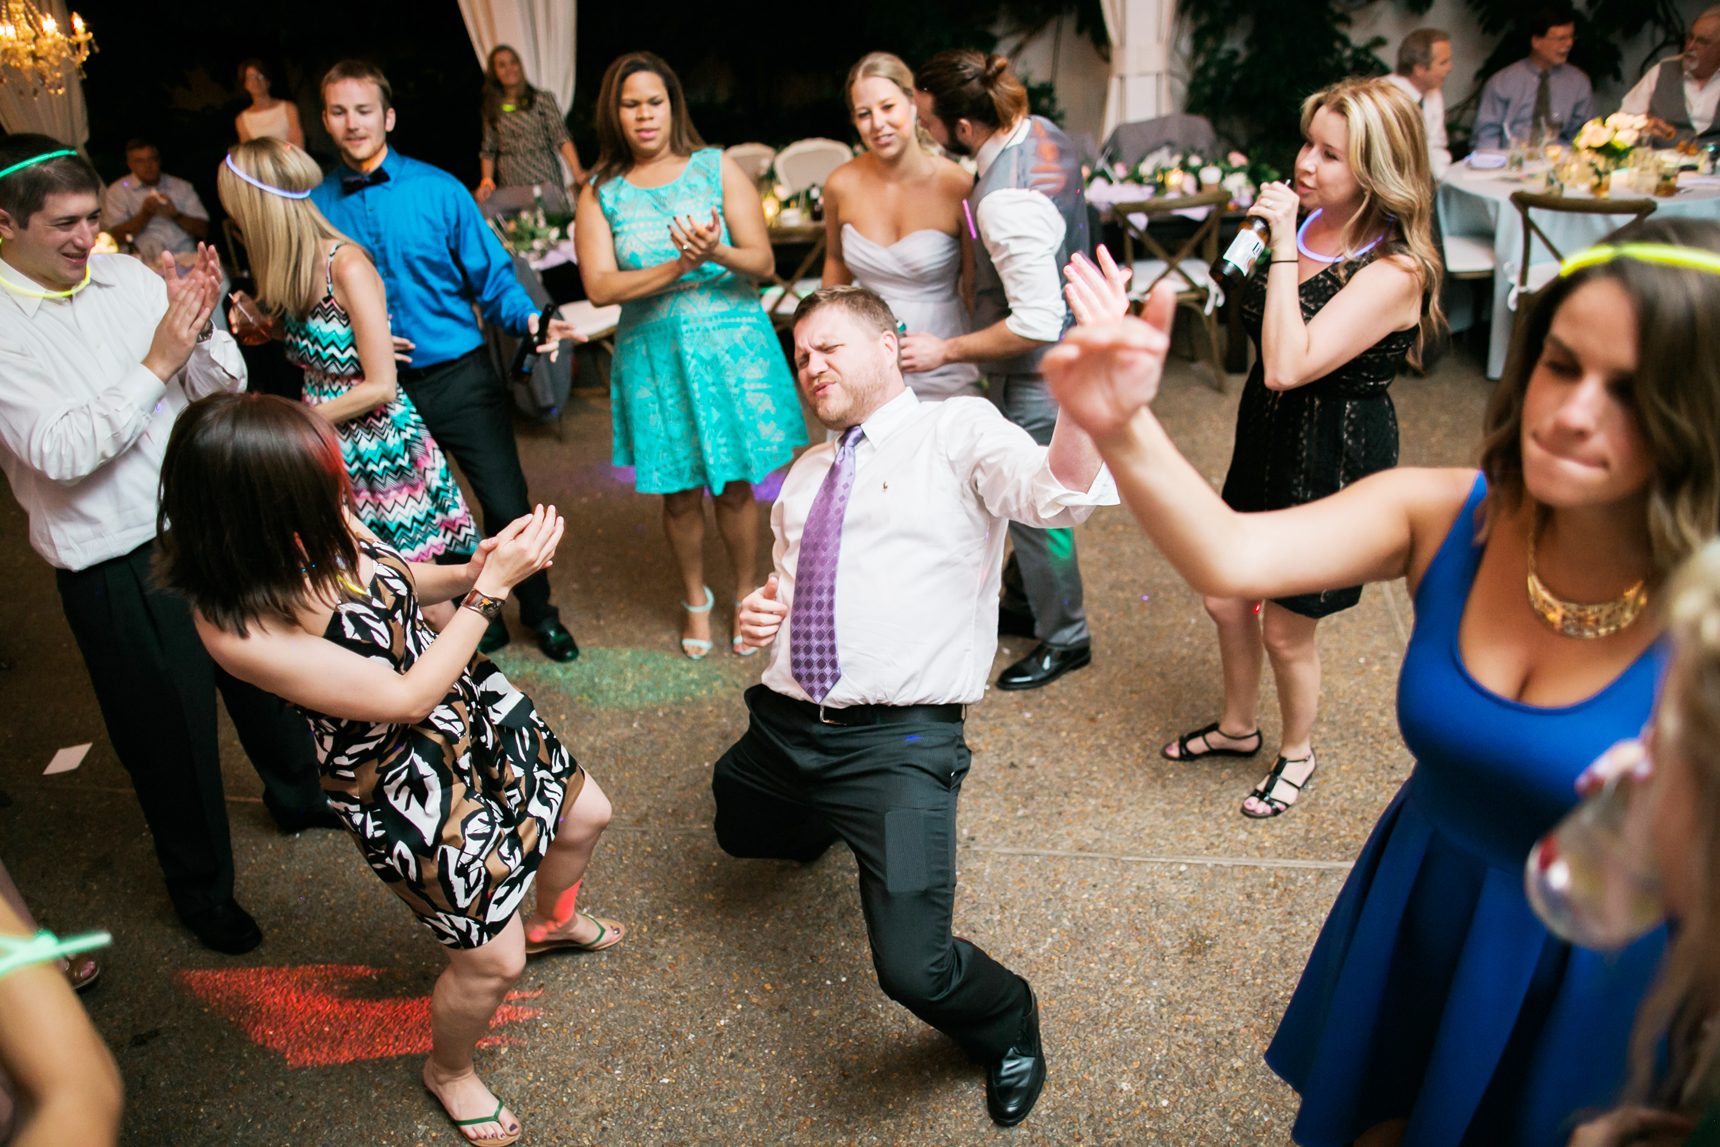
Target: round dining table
[1477,204]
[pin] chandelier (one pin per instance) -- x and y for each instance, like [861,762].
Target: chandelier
[33,45]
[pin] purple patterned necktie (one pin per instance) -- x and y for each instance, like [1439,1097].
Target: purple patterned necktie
[812,618]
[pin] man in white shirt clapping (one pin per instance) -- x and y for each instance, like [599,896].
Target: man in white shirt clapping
[883,615]
[98,355]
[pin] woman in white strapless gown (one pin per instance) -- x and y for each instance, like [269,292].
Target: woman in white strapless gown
[893,217]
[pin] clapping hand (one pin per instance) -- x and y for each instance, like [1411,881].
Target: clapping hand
[191,299]
[524,546]
[206,270]
[762,615]
[696,241]
[1097,294]
[1103,375]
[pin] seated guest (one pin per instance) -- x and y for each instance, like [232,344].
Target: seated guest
[151,210]
[1539,89]
[1680,95]
[1423,62]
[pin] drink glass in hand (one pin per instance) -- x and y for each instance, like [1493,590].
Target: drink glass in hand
[1593,880]
[253,327]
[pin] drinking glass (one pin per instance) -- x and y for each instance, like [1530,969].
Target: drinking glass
[1516,155]
[1593,880]
[253,327]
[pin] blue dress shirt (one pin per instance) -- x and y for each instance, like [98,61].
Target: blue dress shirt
[435,253]
[1508,103]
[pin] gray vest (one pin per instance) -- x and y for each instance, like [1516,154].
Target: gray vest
[1668,102]
[1045,160]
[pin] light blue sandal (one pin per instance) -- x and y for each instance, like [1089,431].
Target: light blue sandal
[695,648]
[739,641]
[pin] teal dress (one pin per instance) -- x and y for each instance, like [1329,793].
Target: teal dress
[700,392]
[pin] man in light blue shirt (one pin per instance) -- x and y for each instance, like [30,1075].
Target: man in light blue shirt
[1541,88]
[438,258]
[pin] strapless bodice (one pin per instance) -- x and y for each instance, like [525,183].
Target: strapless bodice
[917,275]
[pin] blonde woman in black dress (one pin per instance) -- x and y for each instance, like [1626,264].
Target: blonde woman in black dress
[1341,302]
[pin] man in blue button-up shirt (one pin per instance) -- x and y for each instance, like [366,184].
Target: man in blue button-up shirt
[1510,98]
[437,258]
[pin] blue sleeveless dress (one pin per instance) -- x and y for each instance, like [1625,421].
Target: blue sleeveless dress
[700,392]
[1433,993]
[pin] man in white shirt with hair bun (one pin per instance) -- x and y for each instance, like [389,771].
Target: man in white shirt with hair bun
[882,614]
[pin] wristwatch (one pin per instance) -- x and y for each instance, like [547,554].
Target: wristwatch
[487,607]
[208,331]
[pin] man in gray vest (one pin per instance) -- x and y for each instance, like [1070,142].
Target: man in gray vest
[1680,94]
[1027,215]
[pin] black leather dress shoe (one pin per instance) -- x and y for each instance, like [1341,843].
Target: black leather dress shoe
[494,637]
[1043,666]
[298,819]
[1014,622]
[555,641]
[1013,1083]
[226,928]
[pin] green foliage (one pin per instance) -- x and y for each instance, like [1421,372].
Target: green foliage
[1255,61]
[1042,100]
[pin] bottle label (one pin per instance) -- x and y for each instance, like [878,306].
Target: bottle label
[1244,250]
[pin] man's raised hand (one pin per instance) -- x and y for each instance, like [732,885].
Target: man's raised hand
[762,615]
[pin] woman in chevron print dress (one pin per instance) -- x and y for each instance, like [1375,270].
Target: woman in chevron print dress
[328,304]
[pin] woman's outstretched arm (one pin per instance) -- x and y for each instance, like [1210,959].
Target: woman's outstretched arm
[1385,526]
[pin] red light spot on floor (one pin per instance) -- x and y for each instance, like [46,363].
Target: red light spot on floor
[311,1015]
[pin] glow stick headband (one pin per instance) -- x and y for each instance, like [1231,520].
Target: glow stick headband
[1665,254]
[259,184]
[33,160]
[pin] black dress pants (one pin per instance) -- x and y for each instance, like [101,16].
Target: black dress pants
[156,686]
[465,407]
[792,785]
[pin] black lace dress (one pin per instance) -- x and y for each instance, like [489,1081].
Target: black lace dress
[1293,446]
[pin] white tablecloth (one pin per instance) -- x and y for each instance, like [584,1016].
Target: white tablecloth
[1478,204]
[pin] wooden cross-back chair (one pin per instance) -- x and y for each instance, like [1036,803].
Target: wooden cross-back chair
[1189,270]
[1533,277]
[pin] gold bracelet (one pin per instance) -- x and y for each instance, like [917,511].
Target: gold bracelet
[487,607]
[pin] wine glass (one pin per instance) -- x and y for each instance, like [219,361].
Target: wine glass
[1593,880]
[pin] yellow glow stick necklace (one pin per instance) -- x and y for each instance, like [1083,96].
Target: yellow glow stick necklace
[10,285]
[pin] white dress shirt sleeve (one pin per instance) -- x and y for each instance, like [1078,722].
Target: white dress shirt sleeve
[1636,100]
[67,440]
[216,366]
[1011,473]
[1022,231]
[185,199]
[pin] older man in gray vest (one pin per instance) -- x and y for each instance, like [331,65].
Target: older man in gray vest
[1027,215]
[1681,93]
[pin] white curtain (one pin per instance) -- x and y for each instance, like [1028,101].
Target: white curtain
[63,116]
[1140,33]
[541,31]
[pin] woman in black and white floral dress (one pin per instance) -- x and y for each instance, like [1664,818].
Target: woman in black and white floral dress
[455,789]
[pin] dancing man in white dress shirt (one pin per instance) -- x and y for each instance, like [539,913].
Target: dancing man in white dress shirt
[98,355]
[883,615]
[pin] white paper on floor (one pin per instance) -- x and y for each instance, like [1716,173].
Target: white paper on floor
[66,760]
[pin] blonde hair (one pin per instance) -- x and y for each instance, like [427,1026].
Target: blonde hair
[1388,158]
[888,66]
[1674,1019]
[287,239]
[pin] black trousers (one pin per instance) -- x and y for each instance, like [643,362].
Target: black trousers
[792,785]
[465,407]
[156,686]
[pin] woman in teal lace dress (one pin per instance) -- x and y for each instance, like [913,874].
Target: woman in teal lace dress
[702,396]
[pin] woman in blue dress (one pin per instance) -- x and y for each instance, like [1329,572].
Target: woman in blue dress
[701,394]
[1436,1011]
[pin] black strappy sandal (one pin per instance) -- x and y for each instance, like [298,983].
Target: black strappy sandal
[1265,791]
[1209,751]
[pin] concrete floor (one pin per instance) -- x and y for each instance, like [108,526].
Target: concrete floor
[1162,931]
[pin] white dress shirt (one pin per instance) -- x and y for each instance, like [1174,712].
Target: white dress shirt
[922,547]
[124,198]
[1022,231]
[1432,106]
[83,423]
[1700,99]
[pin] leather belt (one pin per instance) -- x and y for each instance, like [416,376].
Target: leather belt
[853,715]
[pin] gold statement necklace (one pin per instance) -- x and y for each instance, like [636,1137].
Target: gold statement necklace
[1580,619]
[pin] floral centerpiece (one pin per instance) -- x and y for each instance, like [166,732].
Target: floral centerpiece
[1607,144]
[532,233]
[1170,172]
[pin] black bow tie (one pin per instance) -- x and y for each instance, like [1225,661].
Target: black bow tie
[358,180]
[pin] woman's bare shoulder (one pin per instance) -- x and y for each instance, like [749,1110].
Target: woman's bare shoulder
[954,176]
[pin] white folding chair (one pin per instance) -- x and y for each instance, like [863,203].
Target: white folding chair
[809,163]
[752,158]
